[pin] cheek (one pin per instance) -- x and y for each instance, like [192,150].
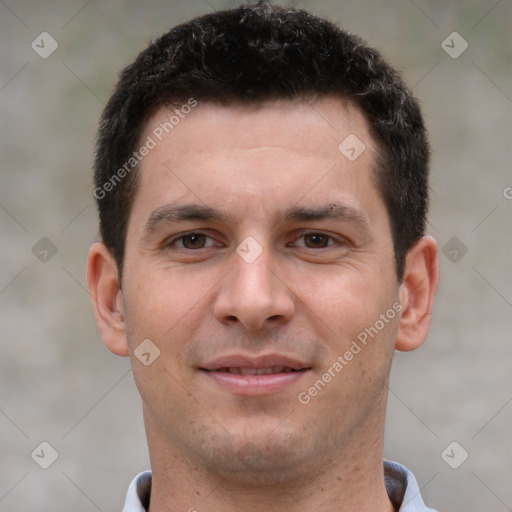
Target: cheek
[164,309]
[165,399]
[347,300]
[160,301]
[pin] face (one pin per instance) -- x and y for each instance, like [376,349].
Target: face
[259,255]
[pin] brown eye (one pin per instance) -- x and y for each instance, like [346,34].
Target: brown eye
[193,241]
[316,240]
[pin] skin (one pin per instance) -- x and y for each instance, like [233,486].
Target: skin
[307,296]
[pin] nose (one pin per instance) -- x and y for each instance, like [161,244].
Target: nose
[254,295]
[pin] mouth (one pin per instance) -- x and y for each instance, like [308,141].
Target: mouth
[272,370]
[255,376]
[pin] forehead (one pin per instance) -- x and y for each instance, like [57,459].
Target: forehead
[319,123]
[282,152]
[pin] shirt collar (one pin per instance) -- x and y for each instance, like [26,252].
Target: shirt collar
[401,486]
[137,497]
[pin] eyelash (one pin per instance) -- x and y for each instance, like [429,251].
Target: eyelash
[181,237]
[331,240]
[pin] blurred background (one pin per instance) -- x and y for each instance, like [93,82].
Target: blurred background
[450,410]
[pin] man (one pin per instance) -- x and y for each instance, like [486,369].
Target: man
[261,178]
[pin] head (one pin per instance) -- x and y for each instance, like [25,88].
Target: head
[249,56]
[270,214]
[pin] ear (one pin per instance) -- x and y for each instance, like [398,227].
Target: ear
[104,288]
[417,294]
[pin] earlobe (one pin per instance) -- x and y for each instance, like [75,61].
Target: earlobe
[417,294]
[103,282]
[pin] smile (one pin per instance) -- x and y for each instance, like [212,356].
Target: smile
[255,381]
[256,371]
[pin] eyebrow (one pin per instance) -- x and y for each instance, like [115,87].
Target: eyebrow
[333,211]
[179,213]
[187,212]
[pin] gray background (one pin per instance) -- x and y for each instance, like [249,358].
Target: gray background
[58,382]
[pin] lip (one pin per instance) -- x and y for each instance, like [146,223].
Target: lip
[254,385]
[247,361]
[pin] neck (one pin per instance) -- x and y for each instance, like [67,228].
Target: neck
[350,478]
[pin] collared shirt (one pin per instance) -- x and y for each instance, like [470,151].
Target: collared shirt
[401,486]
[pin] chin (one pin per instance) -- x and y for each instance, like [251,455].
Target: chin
[269,459]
